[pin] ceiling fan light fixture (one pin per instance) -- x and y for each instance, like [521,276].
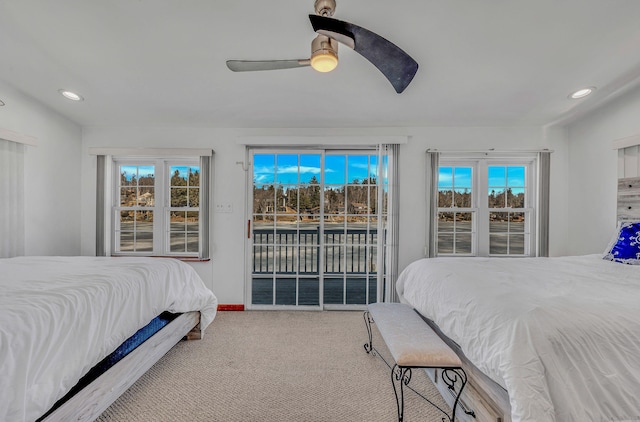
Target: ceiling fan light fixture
[324,53]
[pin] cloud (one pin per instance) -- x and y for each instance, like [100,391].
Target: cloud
[262,178]
[445,179]
[264,170]
[362,166]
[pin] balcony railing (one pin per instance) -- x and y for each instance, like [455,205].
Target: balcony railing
[293,251]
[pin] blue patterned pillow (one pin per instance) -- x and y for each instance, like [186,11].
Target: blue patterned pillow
[625,245]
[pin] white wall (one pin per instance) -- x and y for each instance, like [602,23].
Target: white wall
[53,203]
[225,273]
[593,177]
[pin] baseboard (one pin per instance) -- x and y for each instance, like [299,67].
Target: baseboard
[230,307]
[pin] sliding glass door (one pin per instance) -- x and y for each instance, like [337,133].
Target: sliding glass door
[317,228]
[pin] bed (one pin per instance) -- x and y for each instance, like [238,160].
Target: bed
[558,337]
[62,316]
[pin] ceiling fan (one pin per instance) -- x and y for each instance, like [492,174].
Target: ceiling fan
[396,65]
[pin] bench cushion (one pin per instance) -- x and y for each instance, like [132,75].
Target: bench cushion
[410,340]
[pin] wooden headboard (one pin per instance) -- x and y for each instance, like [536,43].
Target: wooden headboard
[629,199]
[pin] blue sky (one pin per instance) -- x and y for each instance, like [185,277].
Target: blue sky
[183,171]
[339,169]
[143,171]
[138,171]
[499,177]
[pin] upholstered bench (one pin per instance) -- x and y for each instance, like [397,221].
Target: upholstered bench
[413,344]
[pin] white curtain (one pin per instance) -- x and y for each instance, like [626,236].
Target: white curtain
[544,182]
[433,163]
[390,240]
[11,199]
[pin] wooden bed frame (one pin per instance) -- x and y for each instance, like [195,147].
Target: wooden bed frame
[486,398]
[96,397]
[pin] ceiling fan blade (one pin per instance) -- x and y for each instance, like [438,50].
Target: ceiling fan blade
[398,67]
[253,65]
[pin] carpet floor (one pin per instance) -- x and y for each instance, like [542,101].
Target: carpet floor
[274,366]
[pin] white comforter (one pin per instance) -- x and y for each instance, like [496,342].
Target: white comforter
[59,316]
[562,335]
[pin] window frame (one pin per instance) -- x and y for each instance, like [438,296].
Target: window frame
[168,208]
[161,208]
[384,250]
[473,209]
[480,228]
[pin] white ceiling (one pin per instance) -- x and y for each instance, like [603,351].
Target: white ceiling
[162,62]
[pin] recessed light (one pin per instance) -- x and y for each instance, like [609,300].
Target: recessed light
[581,93]
[70,95]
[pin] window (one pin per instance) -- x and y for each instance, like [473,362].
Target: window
[156,207]
[184,211]
[134,215]
[153,202]
[456,233]
[486,207]
[508,216]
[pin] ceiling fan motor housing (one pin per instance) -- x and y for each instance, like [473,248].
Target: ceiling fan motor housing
[325,7]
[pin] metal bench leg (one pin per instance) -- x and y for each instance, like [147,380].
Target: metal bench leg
[403,376]
[368,347]
[451,376]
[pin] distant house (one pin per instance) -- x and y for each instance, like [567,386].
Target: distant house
[359,208]
[146,199]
